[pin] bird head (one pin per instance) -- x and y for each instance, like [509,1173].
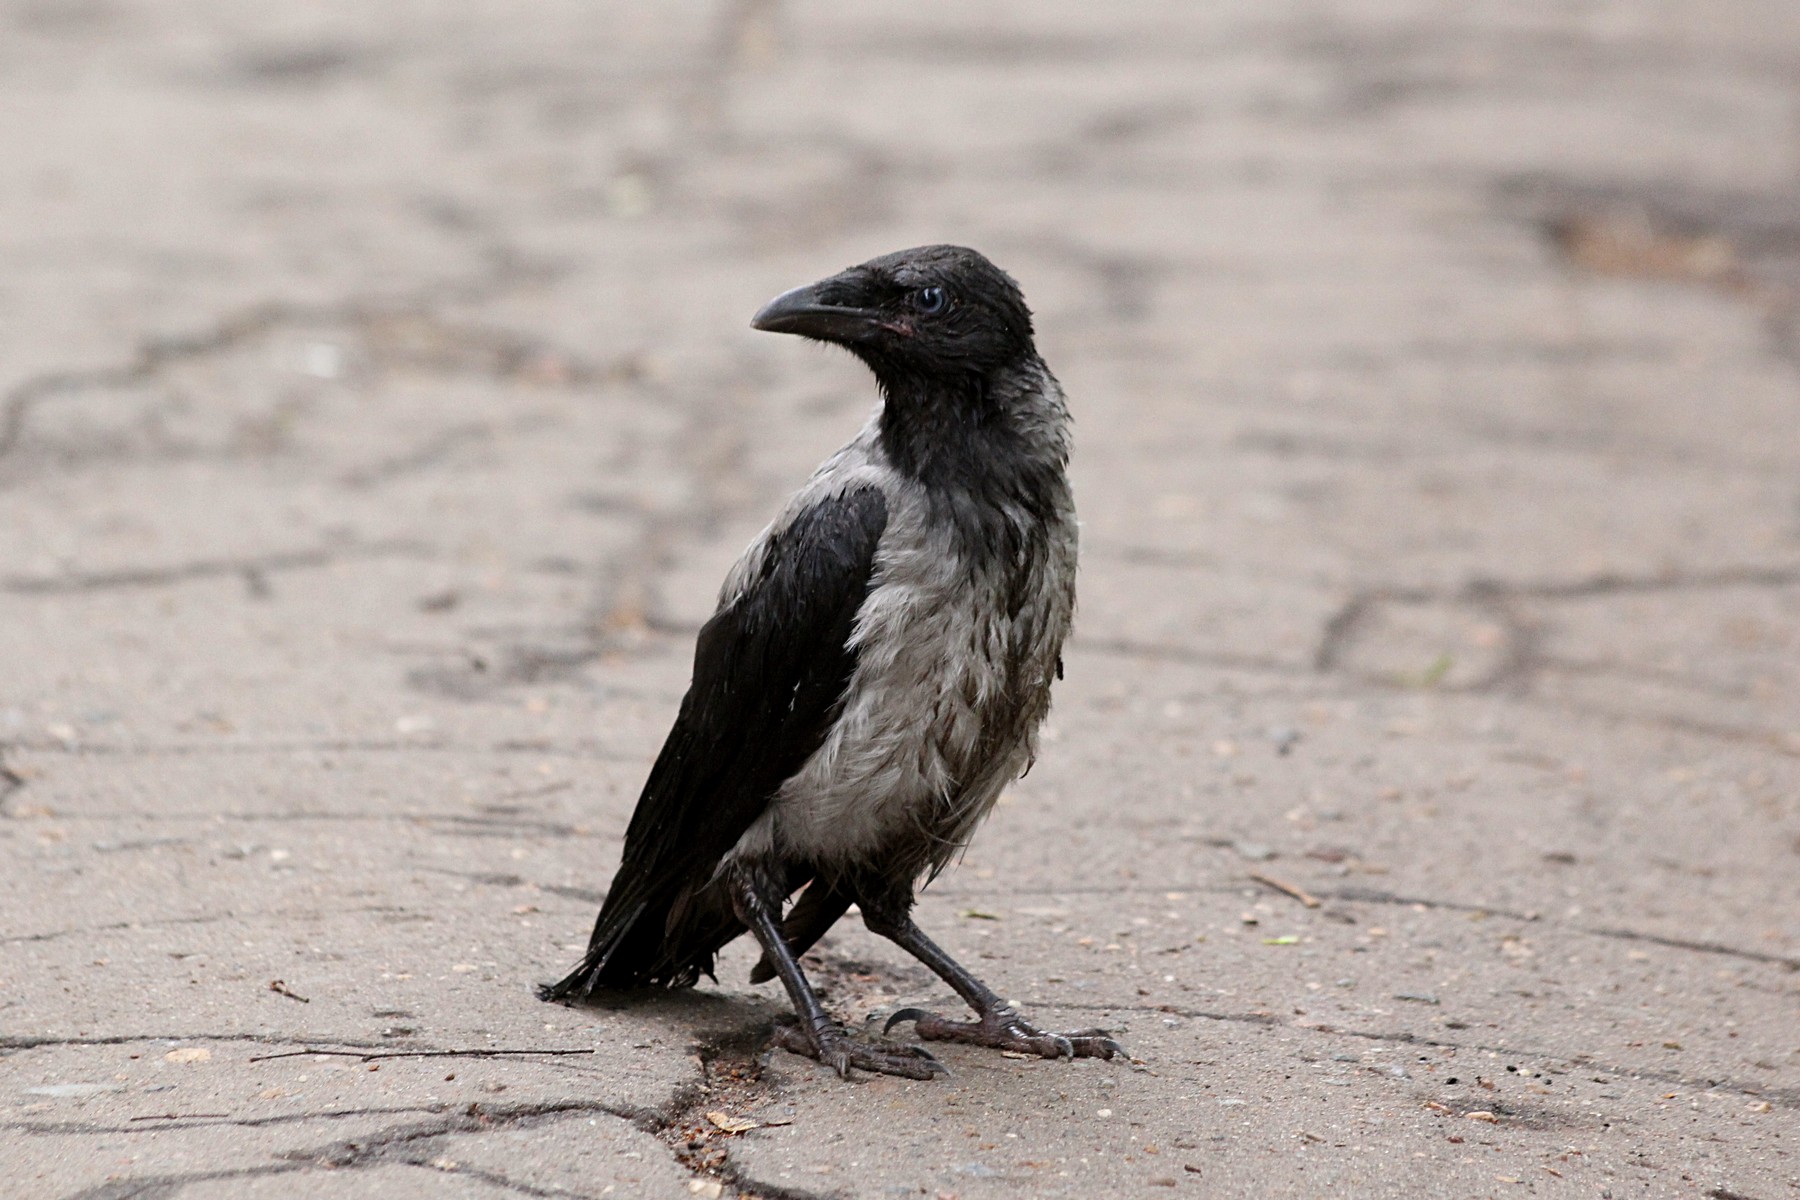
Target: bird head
[932,311]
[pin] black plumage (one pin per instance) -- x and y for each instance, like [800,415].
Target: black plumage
[769,669]
[876,671]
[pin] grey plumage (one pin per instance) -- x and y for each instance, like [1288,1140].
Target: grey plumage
[877,669]
[957,649]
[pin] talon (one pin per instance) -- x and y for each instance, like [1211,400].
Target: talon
[830,1047]
[905,1014]
[1064,1047]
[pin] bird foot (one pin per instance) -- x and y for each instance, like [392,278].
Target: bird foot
[837,1050]
[1004,1029]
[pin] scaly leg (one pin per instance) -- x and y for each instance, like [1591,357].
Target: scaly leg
[816,1035]
[999,1024]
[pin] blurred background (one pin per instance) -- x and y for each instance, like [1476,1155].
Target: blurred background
[1372,304]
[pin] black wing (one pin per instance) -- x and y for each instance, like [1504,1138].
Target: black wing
[769,674]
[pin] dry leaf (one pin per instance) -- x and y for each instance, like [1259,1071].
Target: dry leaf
[731,1124]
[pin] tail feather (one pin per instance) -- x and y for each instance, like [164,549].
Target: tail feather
[668,943]
[603,963]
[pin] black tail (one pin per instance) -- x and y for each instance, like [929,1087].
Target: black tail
[664,942]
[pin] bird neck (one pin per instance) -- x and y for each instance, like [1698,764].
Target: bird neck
[972,432]
[990,450]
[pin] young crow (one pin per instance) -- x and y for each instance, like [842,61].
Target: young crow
[876,671]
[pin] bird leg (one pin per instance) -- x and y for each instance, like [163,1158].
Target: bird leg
[815,1035]
[816,911]
[999,1024]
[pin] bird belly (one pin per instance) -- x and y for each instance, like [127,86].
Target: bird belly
[939,716]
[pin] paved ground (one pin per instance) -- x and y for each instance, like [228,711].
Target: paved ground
[379,412]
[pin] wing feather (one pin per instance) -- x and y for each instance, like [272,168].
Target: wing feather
[770,669]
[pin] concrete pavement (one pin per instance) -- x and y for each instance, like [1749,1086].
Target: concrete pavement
[378,412]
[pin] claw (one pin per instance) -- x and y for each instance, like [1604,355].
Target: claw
[831,1047]
[905,1014]
[1004,1029]
[929,1059]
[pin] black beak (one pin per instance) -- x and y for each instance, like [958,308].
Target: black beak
[804,311]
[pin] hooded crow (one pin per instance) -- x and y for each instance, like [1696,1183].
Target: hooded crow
[876,671]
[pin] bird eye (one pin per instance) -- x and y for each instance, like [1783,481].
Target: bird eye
[931,301]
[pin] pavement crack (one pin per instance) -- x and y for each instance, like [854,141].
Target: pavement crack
[1376,896]
[167,1187]
[433,451]
[503,879]
[497,1180]
[1697,945]
[14,1043]
[86,1129]
[1786,1097]
[51,935]
[748,1188]
[1783,742]
[501,269]
[389,1146]
[392,1145]
[1342,627]
[584,748]
[1615,584]
[253,569]
[11,782]
[1505,604]
[733,1079]
[150,357]
[1171,652]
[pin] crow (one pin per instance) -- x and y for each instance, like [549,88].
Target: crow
[876,671]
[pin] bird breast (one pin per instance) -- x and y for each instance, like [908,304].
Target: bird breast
[956,652]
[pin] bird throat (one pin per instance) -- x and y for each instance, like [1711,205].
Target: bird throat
[939,430]
[977,445]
